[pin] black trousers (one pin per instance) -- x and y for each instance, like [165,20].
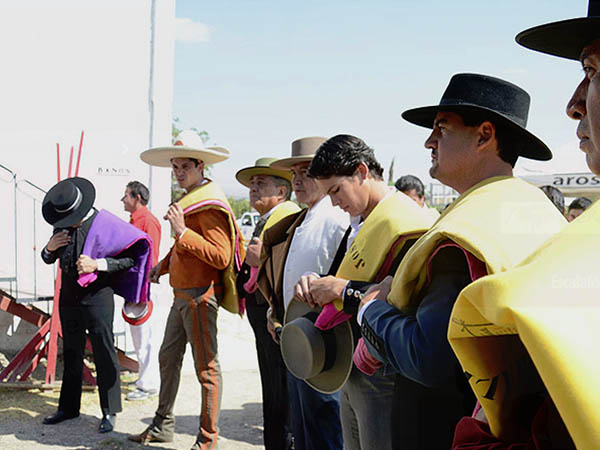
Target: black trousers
[95,317]
[273,379]
[424,418]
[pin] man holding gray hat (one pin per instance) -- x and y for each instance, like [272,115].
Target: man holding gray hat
[306,241]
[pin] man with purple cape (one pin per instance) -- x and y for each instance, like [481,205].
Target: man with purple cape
[100,255]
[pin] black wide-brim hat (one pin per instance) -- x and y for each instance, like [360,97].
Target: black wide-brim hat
[501,101]
[68,202]
[565,38]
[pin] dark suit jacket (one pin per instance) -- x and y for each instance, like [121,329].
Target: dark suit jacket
[275,247]
[71,293]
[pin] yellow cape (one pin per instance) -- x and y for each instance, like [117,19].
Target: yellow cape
[501,220]
[282,210]
[395,217]
[550,303]
[210,195]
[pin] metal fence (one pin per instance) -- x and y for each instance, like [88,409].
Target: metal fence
[439,196]
[24,233]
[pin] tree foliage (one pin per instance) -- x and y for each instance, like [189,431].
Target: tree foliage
[239,206]
[176,191]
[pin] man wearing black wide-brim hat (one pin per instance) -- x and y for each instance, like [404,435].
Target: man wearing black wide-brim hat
[100,255]
[478,132]
[554,332]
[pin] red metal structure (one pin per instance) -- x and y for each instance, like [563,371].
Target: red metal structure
[44,343]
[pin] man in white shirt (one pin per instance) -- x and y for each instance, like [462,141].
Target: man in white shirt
[307,241]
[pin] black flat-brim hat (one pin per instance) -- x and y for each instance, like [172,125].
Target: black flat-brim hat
[500,101]
[565,38]
[68,202]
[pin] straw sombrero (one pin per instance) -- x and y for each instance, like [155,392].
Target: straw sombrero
[323,359]
[261,167]
[303,150]
[187,145]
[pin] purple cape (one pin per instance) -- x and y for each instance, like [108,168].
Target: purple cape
[108,237]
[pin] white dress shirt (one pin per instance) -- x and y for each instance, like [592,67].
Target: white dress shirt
[314,244]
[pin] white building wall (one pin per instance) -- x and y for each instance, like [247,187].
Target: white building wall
[70,65]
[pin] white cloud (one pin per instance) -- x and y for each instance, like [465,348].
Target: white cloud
[186,30]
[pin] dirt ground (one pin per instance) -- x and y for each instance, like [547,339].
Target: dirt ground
[21,412]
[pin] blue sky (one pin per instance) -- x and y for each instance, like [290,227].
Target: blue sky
[258,74]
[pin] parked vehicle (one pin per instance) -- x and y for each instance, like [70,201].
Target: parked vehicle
[247,223]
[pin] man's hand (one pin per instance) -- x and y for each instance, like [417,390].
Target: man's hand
[378,291]
[327,289]
[154,274]
[272,325]
[175,217]
[302,289]
[253,252]
[58,240]
[85,264]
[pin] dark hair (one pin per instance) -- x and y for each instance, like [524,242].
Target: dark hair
[510,143]
[580,203]
[341,155]
[407,183]
[555,197]
[136,188]
[283,182]
[194,160]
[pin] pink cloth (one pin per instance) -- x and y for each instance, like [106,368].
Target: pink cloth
[250,286]
[330,317]
[365,362]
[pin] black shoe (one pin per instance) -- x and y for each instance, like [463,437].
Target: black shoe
[107,423]
[58,417]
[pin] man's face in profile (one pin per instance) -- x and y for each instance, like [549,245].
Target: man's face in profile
[584,106]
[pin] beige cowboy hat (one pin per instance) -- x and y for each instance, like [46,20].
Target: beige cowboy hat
[303,150]
[187,145]
[261,167]
[323,359]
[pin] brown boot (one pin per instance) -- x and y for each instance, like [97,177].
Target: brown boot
[151,434]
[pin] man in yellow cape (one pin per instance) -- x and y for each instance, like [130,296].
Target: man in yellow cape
[201,264]
[528,337]
[478,134]
[384,225]
[270,192]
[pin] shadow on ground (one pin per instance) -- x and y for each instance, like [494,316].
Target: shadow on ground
[22,412]
[243,425]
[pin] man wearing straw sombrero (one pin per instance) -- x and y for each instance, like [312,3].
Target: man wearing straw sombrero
[307,241]
[100,255]
[542,317]
[202,264]
[270,193]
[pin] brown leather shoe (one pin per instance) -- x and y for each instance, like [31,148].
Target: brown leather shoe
[151,434]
